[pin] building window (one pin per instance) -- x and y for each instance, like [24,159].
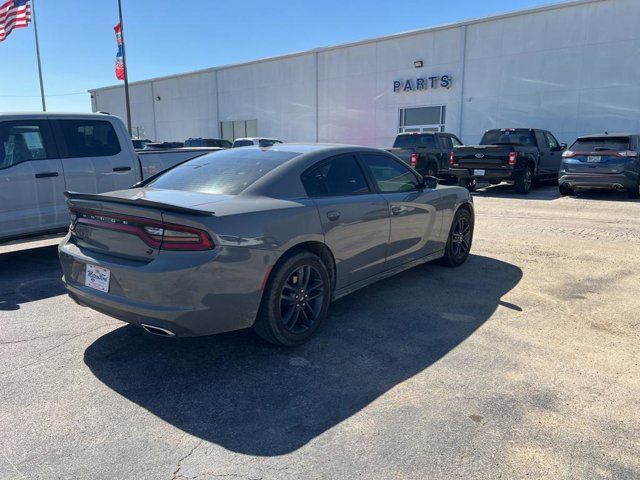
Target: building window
[238,129]
[422,119]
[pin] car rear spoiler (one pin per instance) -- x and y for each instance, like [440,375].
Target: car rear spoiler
[140,202]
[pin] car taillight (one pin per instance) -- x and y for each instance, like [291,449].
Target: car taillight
[452,159]
[160,235]
[568,154]
[513,156]
[627,154]
[177,237]
[413,160]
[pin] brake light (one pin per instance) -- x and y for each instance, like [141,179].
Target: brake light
[568,154]
[513,157]
[627,154]
[452,159]
[413,160]
[160,235]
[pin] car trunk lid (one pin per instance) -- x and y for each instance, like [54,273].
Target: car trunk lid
[132,226]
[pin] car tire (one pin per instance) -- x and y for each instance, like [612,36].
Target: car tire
[431,170]
[287,316]
[468,183]
[459,241]
[524,180]
[566,191]
[634,192]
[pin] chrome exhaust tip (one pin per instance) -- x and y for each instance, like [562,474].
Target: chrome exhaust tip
[163,332]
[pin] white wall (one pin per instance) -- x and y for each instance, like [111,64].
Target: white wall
[572,70]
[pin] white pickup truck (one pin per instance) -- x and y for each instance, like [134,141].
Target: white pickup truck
[44,154]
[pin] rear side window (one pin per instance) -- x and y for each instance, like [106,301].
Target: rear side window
[594,144]
[242,143]
[89,138]
[390,175]
[446,142]
[23,141]
[227,172]
[339,176]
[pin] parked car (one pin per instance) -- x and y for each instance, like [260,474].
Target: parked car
[516,155]
[428,153]
[258,237]
[207,142]
[610,161]
[42,155]
[163,145]
[139,144]
[255,141]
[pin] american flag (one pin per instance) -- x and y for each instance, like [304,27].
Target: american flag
[119,57]
[14,14]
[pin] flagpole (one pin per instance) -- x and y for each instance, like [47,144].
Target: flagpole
[124,64]
[35,31]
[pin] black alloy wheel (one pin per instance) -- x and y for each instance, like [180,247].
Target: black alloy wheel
[301,299]
[295,300]
[524,181]
[460,239]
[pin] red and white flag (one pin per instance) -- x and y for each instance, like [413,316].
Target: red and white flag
[14,14]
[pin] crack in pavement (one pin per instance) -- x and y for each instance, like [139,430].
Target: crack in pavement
[176,472]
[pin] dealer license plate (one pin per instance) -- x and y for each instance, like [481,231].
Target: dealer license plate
[478,172]
[97,278]
[593,159]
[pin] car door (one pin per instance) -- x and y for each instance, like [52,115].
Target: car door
[545,157]
[93,159]
[31,179]
[555,153]
[355,219]
[414,211]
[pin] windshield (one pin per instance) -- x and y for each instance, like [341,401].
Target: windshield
[517,136]
[415,140]
[594,144]
[227,172]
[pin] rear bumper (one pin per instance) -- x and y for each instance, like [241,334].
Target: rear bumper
[190,294]
[489,173]
[610,181]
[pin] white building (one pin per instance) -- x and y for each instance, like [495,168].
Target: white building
[572,68]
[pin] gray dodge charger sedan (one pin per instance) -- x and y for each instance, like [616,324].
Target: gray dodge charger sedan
[262,237]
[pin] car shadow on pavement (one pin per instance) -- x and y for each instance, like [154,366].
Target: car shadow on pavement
[29,275]
[257,399]
[541,191]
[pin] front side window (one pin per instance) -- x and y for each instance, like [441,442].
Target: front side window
[21,142]
[389,175]
[339,176]
[89,138]
[551,141]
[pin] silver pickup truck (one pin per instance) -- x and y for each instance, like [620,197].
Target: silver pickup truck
[42,155]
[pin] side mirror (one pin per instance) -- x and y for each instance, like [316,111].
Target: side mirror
[563,146]
[429,182]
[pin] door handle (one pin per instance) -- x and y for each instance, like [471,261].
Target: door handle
[396,210]
[333,215]
[46,174]
[121,169]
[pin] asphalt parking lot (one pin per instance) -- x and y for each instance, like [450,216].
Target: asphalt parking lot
[523,363]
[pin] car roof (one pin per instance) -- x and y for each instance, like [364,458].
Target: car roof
[44,115]
[607,134]
[255,138]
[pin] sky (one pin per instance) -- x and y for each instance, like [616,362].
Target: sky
[163,37]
